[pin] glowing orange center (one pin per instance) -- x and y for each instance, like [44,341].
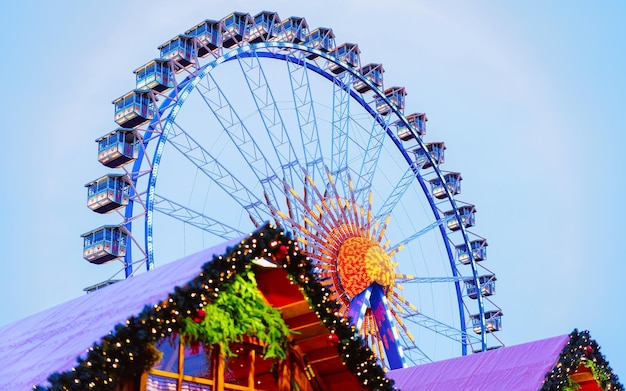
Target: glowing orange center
[361,262]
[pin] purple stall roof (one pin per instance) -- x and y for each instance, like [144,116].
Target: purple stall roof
[513,368]
[35,347]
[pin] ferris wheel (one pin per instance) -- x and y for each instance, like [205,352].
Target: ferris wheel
[250,119]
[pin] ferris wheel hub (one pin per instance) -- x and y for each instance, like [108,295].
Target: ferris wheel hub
[361,262]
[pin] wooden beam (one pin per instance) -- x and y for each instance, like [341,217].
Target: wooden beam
[251,363]
[181,364]
[295,308]
[302,321]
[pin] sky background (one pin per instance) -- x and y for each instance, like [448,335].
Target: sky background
[529,98]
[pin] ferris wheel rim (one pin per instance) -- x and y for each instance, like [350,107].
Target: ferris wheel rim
[251,49]
[247,49]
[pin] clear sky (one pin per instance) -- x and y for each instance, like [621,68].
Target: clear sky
[528,96]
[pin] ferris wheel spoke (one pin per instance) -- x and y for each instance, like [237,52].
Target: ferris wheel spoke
[196,219]
[415,355]
[305,114]
[428,228]
[371,154]
[460,336]
[341,128]
[241,138]
[428,280]
[214,170]
[269,113]
[412,352]
[397,192]
[271,117]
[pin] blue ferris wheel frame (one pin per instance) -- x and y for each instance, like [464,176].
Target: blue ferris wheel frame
[179,95]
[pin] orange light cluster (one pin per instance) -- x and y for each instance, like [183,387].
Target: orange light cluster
[361,262]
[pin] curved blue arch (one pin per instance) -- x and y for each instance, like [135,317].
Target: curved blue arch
[178,96]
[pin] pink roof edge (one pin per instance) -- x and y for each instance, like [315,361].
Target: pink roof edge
[512,368]
[35,347]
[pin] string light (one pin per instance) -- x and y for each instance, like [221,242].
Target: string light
[111,359]
[581,350]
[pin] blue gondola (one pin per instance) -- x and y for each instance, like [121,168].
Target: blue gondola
[293,29]
[435,149]
[373,73]
[493,321]
[349,53]
[108,193]
[396,96]
[478,251]
[451,179]
[155,75]
[322,39]
[118,148]
[487,286]
[467,214]
[208,35]
[266,26]
[235,29]
[180,50]
[105,244]
[133,109]
[417,122]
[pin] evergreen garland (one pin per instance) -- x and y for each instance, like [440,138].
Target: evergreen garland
[128,351]
[239,311]
[581,349]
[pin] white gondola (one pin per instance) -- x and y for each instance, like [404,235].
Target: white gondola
[108,193]
[155,75]
[179,50]
[417,126]
[396,95]
[236,26]
[487,286]
[105,244]
[451,180]
[373,73]
[293,29]
[118,148]
[436,151]
[322,39]
[208,35]
[467,214]
[493,321]
[478,250]
[348,53]
[133,109]
[265,26]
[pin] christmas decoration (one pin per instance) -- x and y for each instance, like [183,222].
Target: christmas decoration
[238,311]
[128,350]
[200,315]
[281,252]
[581,349]
[332,340]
